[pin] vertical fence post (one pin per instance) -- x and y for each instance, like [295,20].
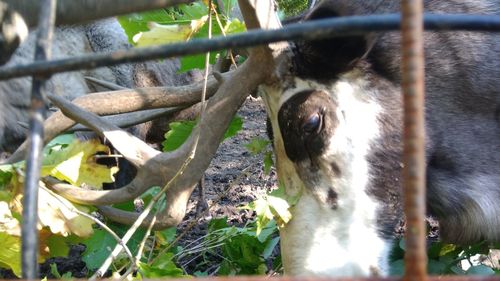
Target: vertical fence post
[35,144]
[414,138]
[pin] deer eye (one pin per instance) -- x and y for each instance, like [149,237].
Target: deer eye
[313,123]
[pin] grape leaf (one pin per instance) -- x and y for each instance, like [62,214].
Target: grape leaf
[101,243]
[10,255]
[77,165]
[180,131]
[8,224]
[56,213]
[166,34]
[257,145]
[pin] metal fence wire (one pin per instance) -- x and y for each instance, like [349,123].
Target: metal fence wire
[412,22]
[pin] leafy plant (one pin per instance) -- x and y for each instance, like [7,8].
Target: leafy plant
[180,131]
[60,221]
[262,146]
[181,23]
[446,259]
[292,7]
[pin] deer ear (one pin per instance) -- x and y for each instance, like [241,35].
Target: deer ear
[327,58]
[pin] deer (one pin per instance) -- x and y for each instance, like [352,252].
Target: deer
[337,124]
[335,111]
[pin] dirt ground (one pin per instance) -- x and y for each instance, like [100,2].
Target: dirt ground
[235,176]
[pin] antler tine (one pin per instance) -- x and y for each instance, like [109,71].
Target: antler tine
[106,84]
[132,148]
[172,215]
[101,197]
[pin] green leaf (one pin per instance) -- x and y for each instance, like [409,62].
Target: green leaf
[101,243]
[397,268]
[196,62]
[192,11]
[480,270]
[217,224]
[257,145]
[162,267]
[178,134]
[125,206]
[234,127]
[267,231]
[181,130]
[134,23]
[246,252]
[436,267]
[10,255]
[234,26]
[168,33]
[228,6]
[268,251]
[59,142]
[58,246]
[6,173]
[166,236]
[447,249]
[98,248]
[200,273]
[54,271]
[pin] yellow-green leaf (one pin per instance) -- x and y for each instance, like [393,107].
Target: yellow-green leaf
[76,164]
[166,34]
[59,216]
[10,255]
[279,207]
[8,224]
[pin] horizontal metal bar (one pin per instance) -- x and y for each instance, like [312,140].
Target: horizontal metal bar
[315,278]
[343,26]
[77,11]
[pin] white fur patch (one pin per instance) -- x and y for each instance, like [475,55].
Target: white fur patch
[325,242]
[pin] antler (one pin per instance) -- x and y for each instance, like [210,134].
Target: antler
[155,168]
[123,101]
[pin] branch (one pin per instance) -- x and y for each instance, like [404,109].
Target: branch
[77,11]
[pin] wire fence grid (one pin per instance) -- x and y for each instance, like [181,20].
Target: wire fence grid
[411,23]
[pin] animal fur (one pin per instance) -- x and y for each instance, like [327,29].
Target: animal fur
[340,119]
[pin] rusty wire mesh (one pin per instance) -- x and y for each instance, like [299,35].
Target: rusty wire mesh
[413,84]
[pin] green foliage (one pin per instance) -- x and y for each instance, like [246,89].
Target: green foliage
[181,23]
[101,243]
[164,266]
[180,131]
[244,250]
[292,7]
[445,259]
[262,146]
[56,274]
